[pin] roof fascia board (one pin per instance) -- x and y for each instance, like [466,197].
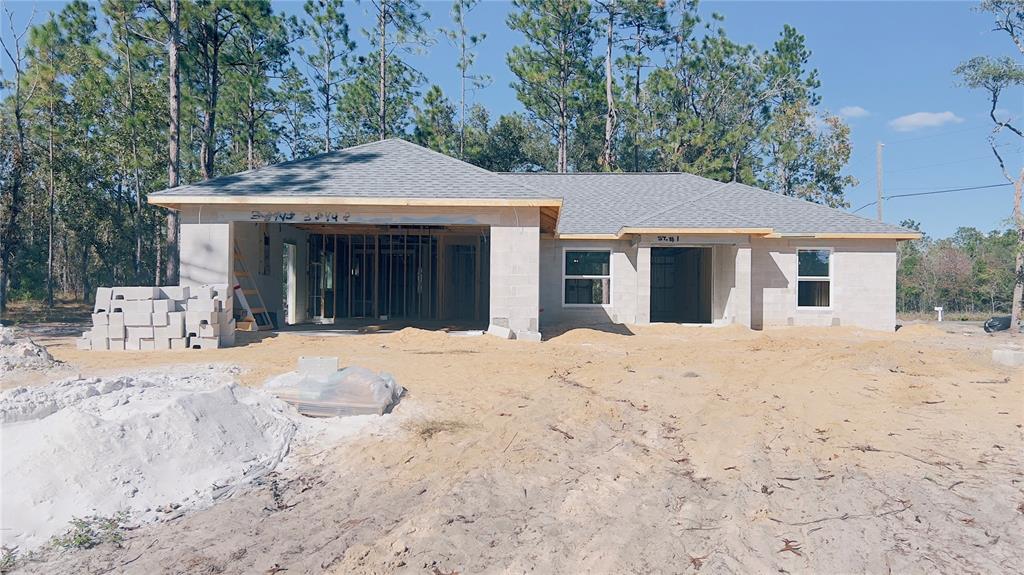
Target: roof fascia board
[850,236]
[170,200]
[698,231]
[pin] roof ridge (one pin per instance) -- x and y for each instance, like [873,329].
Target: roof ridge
[473,166]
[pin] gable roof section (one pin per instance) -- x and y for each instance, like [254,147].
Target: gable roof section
[371,173]
[618,203]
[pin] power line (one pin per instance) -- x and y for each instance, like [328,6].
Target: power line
[932,192]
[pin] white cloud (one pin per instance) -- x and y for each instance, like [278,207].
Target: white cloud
[919,120]
[853,112]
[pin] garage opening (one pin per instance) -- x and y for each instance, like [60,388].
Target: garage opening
[391,273]
[681,285]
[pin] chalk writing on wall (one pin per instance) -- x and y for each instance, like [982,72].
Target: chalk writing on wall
[292,217]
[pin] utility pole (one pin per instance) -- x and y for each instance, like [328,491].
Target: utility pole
[878,177]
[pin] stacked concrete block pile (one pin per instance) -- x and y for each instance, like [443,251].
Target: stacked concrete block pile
[161,318]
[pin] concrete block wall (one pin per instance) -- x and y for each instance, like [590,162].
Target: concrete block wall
[515,276]
[622,308]
[206,253]
[863,290]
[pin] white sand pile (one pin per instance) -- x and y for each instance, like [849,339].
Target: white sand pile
[18,353]
[143,444]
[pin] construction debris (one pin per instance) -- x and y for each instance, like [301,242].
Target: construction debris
[161,318]
[17,353]
[319,389]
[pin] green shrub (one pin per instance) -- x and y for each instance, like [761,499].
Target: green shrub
[88,532]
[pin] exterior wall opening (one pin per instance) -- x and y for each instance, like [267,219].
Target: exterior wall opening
[681,287]
[408,273]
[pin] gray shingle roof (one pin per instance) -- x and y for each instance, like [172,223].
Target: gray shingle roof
[390,168]
[591,203]
[606,203]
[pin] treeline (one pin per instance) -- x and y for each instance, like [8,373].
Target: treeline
[970,271]
[104,104]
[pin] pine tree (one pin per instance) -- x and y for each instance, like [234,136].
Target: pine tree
[326,28]
[465,43]
[553,66]
[399,27]
[435,123]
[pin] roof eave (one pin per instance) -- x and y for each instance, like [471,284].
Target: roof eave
[175,201]
[899,236]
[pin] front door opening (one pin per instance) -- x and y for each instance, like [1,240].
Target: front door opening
[681,285]
[398,273]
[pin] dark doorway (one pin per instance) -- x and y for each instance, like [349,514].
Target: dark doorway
[681,285]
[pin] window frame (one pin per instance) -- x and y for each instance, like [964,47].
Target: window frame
[829,278]
[611,273]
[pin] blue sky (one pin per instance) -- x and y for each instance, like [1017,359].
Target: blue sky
[886,66]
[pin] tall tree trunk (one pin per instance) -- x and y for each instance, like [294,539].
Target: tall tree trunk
[209,147]
[636,99]
[327,103]
[462,89]
[1018,284]
[250,135]
[137,264]
[173,138]
[50,212]
[382,96]
[609,120]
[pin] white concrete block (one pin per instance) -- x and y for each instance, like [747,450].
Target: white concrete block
[136,293]
[135,319]
[116,344]
[163,305]
[102,299]
[159,319]
[1010,357]
[99,343]
[175,292]
[147,345]
[116,331]
[100,319]
[209,330]
[178,343]
[84,343]
[140,332]
[208,305]
[131,344]
[526,335]
[203,342]
[141,306]
[195,318]
[161,343]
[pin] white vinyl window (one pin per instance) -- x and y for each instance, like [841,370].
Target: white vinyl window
[814,278]
[587,277]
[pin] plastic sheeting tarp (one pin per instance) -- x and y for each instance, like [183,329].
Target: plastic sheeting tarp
[350,391]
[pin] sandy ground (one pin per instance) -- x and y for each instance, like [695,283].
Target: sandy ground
[671,450]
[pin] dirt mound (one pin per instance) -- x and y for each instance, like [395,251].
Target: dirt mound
[19,353]
[101,446]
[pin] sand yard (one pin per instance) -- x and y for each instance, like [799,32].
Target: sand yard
[664,450]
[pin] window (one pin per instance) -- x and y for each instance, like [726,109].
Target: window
[587,277]
[814,278]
